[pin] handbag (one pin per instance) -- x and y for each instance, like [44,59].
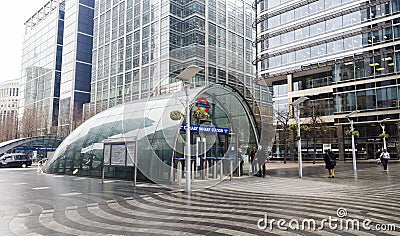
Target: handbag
[378,161]
[333,161]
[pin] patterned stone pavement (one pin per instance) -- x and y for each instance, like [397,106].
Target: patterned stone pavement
[43,204]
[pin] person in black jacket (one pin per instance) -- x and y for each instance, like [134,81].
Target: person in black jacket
[330,163]
[262,161]
[252,157]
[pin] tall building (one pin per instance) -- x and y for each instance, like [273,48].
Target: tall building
[343,55]
[55,65]
[8,109]
[140,46]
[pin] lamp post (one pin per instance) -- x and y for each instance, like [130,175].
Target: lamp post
[296,104]
[185,76]
[352,138]
[383,131]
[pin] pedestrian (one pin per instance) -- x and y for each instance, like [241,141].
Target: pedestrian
[262,161]
[385,156]
[252,160]
[330,162]
[378,157]
[241,161]
[378,153]
[40,166]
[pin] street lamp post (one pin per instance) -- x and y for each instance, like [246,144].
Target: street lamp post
[300,159]
[185,76]
[353,146]
[383,131]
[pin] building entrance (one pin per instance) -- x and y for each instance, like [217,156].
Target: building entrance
[373,148]
[213,155]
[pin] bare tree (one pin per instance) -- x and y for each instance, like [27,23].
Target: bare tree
[64,122]
[8,128]
[43,124]
[315,110]
[283,117]
[77,118]
[68,121]
[28,124]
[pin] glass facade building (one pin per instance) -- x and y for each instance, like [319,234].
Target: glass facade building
[41,67]
[344,55]
[8,99]
[159,138]
[140,46]
[56,60]
[8,109]
[76,63]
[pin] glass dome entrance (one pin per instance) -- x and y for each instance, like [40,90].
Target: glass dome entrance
[160,139]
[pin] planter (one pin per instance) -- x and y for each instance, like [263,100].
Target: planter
[350,132]
[305,128]
[384,135]
[176,115]
[200,114]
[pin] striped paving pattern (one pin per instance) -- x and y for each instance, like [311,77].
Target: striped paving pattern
[230,208]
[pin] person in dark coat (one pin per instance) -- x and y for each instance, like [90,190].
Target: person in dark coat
[252,157]
[262,161]
[330,163]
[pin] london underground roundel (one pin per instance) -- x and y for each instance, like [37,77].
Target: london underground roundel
[203,104]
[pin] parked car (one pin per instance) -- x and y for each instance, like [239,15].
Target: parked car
[15,160]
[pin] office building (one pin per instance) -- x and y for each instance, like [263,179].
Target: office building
[56,66]
[8,109]
[140,46]
[344,56]
[76,63]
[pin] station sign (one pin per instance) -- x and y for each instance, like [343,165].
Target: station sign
[203,104]
[206,129]
[35,149]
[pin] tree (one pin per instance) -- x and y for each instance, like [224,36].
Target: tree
[315,110]
[28,124]
[8,127]
[282,117]
[77,118]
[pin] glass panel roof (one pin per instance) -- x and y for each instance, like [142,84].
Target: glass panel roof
[149,122]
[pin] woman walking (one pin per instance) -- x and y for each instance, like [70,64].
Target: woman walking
[385,156]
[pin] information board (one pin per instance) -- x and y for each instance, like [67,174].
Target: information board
[118,154]
[107,154]
[130,157]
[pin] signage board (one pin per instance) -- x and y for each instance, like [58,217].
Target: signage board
[206,129]
[118,154]
[203,104]
[326,146]
[130,157]
[107,154]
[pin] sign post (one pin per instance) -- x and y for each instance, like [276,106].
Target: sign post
[120,152]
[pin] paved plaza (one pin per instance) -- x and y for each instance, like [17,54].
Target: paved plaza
[281,204]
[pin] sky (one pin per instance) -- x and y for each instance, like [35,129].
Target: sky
[13,15]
